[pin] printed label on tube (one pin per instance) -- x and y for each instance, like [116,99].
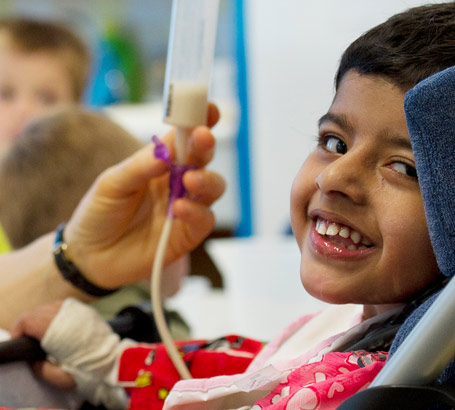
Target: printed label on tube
[186,104]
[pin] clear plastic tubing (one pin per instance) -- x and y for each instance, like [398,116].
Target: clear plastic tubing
[188,67]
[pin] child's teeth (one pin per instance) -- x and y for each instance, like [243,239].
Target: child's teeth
[344,232]
[333,229]
[321,228]
[355,237]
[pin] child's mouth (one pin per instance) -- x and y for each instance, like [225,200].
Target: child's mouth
[342,236]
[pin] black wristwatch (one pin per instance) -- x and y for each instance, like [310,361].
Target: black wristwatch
[70,271]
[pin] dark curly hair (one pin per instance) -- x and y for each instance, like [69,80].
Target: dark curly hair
[406,48]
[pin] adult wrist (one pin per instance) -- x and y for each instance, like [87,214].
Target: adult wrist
[70,272]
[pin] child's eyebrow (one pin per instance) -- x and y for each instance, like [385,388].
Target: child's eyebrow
[338,119]
[343,122]
[398,141]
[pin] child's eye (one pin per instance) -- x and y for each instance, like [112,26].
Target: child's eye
[333,144]
[404,168]
[6,93]
[47,97]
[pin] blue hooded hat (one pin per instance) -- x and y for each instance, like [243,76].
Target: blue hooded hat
[430,116]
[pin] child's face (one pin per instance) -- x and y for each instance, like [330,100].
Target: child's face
[30,83]
[361,181]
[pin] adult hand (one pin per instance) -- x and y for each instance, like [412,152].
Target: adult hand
[113,234]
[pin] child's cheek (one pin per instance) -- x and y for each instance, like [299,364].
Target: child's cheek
[409,262]
[298,208]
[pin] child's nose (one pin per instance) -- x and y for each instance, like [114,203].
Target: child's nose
[27,106]
[345,177]
[23,112]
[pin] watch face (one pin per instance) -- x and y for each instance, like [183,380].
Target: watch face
[58,247]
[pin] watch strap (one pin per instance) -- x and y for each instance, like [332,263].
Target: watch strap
[70,271]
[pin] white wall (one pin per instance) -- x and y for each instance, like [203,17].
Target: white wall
[294,48]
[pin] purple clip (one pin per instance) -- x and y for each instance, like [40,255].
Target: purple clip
[176,187]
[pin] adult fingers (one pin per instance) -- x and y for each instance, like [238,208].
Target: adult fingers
[213,114]
[202,146]
[204,186]
[199,217]
[132,174]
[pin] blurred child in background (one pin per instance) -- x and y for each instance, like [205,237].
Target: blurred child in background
[42,64]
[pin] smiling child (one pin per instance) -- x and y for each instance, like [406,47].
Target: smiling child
[356,207]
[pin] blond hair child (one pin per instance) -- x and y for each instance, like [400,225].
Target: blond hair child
[42,64]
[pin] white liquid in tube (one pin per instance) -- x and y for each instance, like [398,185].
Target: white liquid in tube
[186,104]
[189,61]
[190,55]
